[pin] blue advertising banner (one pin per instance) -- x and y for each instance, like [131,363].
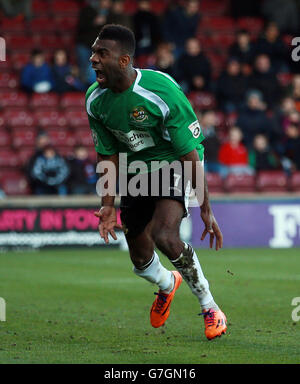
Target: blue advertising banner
[274,224]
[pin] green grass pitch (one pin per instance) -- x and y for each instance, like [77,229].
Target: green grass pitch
[87,306]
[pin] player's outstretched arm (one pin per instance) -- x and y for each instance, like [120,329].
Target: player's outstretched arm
[107,213]
[209,220]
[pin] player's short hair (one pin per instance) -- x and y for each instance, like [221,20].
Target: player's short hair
[123,35]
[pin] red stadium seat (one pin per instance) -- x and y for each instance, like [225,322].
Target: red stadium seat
[271,181]
[8,80]
[83,137]
[19,118]
[65,24]
[65,151]
[13,99]
[8,159]
[214,7]
[239,183]
[23,137]
[5,138]
[61,137]
[25,154]
[44,100]
[63,7]
[40,8]
[73,100]
[252,24]
[42,25]
[21,43]
[202,100]
[214,182]
[77,118]
[50,118]
[19,60]
[49,42]
[295,182]
[219,23]
[12,25]
[14,183]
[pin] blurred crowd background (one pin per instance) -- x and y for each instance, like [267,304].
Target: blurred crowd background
[232,59]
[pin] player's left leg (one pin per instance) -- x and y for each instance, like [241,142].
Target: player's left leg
[165,227]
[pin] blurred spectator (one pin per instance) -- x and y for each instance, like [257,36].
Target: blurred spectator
[253,119]
[284,13]
[65,76]
[50,172]
[92,18]
[180,23]
[245,8]
[208,122]
[14,8]
[83,177]
[164,60]
[37,76]
[2,193]
[233,155]
[261,156]
[194,68]
[271,44]
[291,161]
[265,80]
[242,49]
[294,91]
[231,87]
[146,28]
[117,15]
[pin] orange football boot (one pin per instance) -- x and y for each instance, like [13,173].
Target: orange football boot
[160,309]
[215,323]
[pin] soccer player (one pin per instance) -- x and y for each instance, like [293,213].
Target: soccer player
[145,114]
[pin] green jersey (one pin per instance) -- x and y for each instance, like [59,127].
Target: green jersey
[152,120]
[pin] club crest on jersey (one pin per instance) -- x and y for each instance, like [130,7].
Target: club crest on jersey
[139,115]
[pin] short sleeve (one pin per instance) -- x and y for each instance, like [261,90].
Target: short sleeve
[105,143]
[182,123]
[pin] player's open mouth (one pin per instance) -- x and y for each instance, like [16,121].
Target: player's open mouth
[100,76]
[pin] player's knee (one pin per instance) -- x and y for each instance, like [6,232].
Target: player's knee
[167,242]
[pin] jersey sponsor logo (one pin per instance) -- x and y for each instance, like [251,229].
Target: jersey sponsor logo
[195,129]
[135,140]
[139,115]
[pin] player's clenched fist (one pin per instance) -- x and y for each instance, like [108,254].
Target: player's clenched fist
[108,222]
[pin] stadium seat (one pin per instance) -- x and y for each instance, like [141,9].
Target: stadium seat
[40,8]
[61,137]
[202,100]
[8,159]
[19,118]
[42,25]
[73,100]
[271,181]
[13,99]
[21,43]
[239,183]
[219,23]
[50,41]
[14,183]
[12,25]
[23,137]
[19,60]
[253,24]
[214,182]
[5,138]
[77,118]
[65,151]
[83,137]
[8,80]
[44,101]
[294,182]
[24,154]
[50,118]
[214,7]
[65,24]
[63,7]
